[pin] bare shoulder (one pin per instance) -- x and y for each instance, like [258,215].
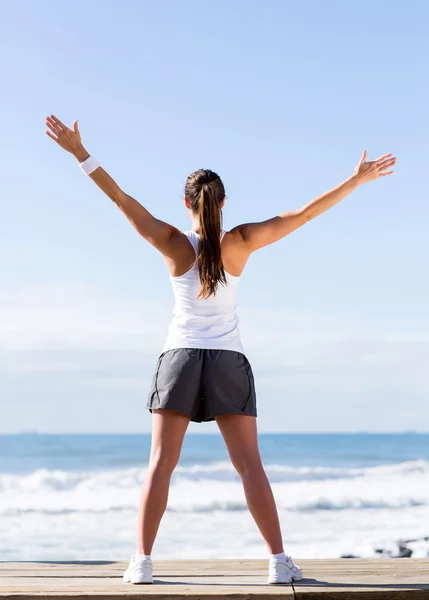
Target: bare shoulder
[248,237]
[253,236]
[179,254]
[234,252]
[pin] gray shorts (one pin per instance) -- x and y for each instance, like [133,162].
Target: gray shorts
[203,384]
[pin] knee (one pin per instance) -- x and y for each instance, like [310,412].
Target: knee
[163,462]
[249,466]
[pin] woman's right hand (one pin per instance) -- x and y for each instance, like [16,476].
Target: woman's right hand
[68,139]
[368,171]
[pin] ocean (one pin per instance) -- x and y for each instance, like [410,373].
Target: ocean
[75,497]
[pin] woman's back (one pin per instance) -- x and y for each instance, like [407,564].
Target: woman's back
[198,322]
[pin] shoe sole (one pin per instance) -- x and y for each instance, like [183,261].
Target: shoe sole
[292,578]
[138,582]
[135,580]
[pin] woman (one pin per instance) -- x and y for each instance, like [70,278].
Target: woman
[203,373]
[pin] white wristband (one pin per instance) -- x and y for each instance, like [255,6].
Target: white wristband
[89,165]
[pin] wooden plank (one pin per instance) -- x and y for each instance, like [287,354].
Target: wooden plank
[325,579]
[204,566]
[174,580]
[360,579]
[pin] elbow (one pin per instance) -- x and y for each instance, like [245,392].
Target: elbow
[306,215]
[118,196]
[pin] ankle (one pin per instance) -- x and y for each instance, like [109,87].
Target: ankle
[279,556]
[142,556]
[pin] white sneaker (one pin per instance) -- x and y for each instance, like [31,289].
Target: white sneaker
[280,571]
[139,570]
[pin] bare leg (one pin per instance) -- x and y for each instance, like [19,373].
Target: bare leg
[168,430]
[240,435]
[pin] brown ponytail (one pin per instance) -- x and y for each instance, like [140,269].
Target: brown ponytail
[205,191]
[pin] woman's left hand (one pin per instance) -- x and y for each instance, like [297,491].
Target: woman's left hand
[368,171]
[67,138]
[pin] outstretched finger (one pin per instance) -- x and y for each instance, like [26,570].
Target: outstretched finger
[52,136]
[382,157]
[379,161]
[53,122]
[58,122]
[386,163]
[384,174]
[54,127]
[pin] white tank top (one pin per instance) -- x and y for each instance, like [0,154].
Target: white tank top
[203,323]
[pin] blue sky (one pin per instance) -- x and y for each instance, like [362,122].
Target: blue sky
[280,98]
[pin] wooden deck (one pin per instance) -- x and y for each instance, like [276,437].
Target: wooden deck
[353,579]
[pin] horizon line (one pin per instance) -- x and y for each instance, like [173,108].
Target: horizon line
[358,432]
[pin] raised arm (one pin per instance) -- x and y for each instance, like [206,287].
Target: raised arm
[256,235]
[158,233]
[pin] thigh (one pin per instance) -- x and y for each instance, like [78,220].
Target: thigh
[168,431]
[241,439]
